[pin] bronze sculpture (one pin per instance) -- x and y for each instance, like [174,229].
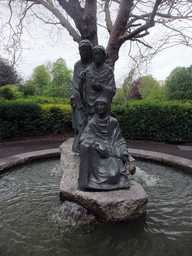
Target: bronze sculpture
[98,139]
[103,152]
[97,79]
[85,49]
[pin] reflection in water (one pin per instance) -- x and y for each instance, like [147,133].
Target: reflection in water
[33,222]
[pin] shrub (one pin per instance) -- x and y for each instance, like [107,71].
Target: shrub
[56,118]
[27,89]
[8,74]
[65,109]
[162,121]
[7,93]
[178,84]
[46,100]
[10,92]
[153,119]
[26,118]
[19,118]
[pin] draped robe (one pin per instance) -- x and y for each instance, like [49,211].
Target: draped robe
[102,173]
[77,106]
[105,77]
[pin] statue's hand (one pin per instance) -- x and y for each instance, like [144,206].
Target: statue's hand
[83,76]
[97,86]
[72,101]
[101,149]
[125,156]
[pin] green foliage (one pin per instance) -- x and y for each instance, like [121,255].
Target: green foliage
[19,118]
[8,75]
[149,87]
[158,120]
[7,93]
[10,92]
[128,83]
[61,81]
[28,89]
[56,83]
[40,79]
[56,118]
[48,100]
[26,118]
[179,84]
[145,87]
[119,97]
[64,108]
[122,93]
[154,119]
[157,93]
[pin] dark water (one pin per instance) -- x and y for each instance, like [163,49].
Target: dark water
[32,221]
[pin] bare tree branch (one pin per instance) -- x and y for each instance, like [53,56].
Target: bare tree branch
[125,20]
[64,22]
[150,23]
[108,17]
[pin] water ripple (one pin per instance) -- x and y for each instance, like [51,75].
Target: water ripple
[34,222]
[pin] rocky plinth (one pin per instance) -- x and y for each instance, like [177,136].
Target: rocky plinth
[118,205]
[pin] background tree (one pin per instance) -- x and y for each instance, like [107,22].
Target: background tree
[61,80]
[124,21]
[178,84]
[157,92]
[134,93]
[147,85]
[128,83]
[8,75]
[40,79]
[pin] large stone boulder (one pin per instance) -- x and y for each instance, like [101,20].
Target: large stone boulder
[117,205]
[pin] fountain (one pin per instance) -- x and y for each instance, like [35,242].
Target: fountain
[118,205]
[94,174]
[33,221]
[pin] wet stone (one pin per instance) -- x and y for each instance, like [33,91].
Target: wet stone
[110,206]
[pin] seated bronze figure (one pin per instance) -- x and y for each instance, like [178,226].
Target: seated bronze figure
[103,152]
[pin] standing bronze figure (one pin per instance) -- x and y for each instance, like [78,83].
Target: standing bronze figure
[85,49]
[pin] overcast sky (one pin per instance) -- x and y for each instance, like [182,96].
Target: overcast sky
[41,46]
[160,66]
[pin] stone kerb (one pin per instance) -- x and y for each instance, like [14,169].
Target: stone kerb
[171,160]
[15,160]
[118,205]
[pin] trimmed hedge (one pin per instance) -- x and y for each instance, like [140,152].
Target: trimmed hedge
[19,119]
[22,118]
[162,121]
[56,118]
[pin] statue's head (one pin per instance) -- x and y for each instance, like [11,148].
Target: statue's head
[101,105]
[99,54]
[85,49]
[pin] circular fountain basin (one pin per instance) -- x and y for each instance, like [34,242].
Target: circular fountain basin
[33,220]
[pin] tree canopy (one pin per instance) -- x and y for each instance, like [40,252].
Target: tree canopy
[147,85]
[178,84]
[8,75]
[123,20]
[41,76]
[55,82]
[61,80]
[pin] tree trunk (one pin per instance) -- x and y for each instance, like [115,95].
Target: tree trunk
[113,52]
[88,25]
[85,18]
[118,30]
